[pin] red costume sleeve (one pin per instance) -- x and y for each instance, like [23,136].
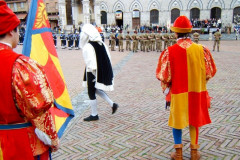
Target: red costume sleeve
[34,98]
[209,64]
[163,71]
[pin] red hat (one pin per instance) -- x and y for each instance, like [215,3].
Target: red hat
[8,20]
[182,25]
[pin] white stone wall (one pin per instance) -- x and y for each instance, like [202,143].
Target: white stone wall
[163,6]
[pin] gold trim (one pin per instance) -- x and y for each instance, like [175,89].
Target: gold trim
[181,30]
[1,153]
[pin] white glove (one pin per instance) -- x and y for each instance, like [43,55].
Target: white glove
[166,91]
[43,137]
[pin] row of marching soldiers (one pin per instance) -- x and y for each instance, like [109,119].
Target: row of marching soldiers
[148,41]
[70,41]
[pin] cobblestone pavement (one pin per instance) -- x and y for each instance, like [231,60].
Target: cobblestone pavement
[138,130]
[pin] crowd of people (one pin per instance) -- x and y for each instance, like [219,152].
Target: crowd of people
[207,23]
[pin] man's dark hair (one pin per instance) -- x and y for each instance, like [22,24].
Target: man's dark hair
[3,35]
[183,35]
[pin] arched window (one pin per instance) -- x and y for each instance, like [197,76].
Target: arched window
[103,17]
[174,14]
[136,19]
[154,16]
[215,13]
[236,11]
[194,13]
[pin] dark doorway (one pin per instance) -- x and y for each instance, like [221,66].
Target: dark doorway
[175,13]
[215,13]
[236,11]
[103,17]
[69,12]
[194,13]
[119,18]
[154,16]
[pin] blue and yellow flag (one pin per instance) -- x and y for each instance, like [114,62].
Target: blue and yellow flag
[38,45]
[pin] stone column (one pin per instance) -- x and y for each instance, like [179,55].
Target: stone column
[62,14]
[86,13]
[74,12]
[97,13]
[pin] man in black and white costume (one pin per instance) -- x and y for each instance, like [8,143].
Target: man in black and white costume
[98,76]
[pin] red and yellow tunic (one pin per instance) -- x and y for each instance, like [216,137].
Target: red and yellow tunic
[26,96]
[186,67]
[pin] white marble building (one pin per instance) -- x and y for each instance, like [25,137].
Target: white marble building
[144,12]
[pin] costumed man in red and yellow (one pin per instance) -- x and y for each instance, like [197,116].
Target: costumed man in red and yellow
[25,99]
[185,69]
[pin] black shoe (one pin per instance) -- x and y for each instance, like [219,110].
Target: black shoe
[114,108]
[91,118]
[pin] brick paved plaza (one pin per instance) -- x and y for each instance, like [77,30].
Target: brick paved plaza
[139,130]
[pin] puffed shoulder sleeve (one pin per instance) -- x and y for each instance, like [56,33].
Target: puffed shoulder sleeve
[32,90]
[210,66]
[163,71]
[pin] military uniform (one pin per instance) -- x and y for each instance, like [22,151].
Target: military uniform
[63,40]
[146,42]
[128,42]
[55,39]
[217,37]
[152,42]
[76,40]
[70,39]
[21,38]
[120,38]
[166,40]
[195,37]
[158,42]
[134,46]
[141,42]
[112,36]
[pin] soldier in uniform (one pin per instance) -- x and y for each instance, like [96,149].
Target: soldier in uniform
[137,37]
[76,40]
[165,37]
[54,39]
[217,37]
[70,39]
[120,38]
[134,38]
[159,41]
[141,41]
[196,37]
[146,42]
[21,38]
[128,41]
[63,40]
[112,36]
[153,41]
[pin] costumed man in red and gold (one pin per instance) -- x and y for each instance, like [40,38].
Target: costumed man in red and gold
[25,99]
[185,69]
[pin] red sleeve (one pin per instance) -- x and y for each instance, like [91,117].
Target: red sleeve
[33,95]
[163,71]
[209,64]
